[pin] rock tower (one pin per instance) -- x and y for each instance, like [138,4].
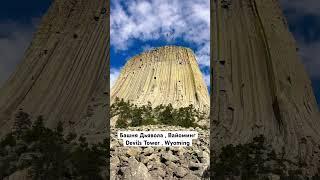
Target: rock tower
[164,75]
[64,73]
[259,85]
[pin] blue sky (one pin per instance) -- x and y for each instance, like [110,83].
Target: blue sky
[22,11]
[140,25]
[303,17]
[178,22]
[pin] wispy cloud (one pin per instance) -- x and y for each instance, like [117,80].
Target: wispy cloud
[167,20]
[207,79]
[114,73]
[147,47]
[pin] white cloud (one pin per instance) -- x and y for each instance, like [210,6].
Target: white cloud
[166,20]
[114,74]
[207,79]
[147,48]
[203,55]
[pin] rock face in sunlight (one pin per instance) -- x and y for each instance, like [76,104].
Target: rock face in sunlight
[161,76]
[164,75]
[259,84]
[63,74]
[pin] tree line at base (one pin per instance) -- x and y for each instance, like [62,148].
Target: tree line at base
[49,154]
[129,114]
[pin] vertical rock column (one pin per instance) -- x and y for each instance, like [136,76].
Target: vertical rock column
[259,85]
[164,75]
[64,73]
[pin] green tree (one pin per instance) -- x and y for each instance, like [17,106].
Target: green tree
[8,140]
[36,131]
[166,116]
[148,114]
[22,123]
[185,117]
[50,162]
[87,161]
[136,116]
[247,160]
[51,155]
[122,121]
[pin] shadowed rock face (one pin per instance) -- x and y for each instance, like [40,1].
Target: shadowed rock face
[163,75]
[259,85]
[63,74]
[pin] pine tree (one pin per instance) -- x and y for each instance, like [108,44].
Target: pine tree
[166,116]
[22,123]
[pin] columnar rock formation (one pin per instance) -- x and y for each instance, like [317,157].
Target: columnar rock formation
[259,85]
[63,75]
[163,75]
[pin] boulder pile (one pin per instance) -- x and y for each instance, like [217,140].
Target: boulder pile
[144,163]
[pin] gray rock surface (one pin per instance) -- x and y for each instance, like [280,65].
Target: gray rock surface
[18,175]
[190,177]
[160,162]
[63,75]
[168,74]
[259,85]
[136,170]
